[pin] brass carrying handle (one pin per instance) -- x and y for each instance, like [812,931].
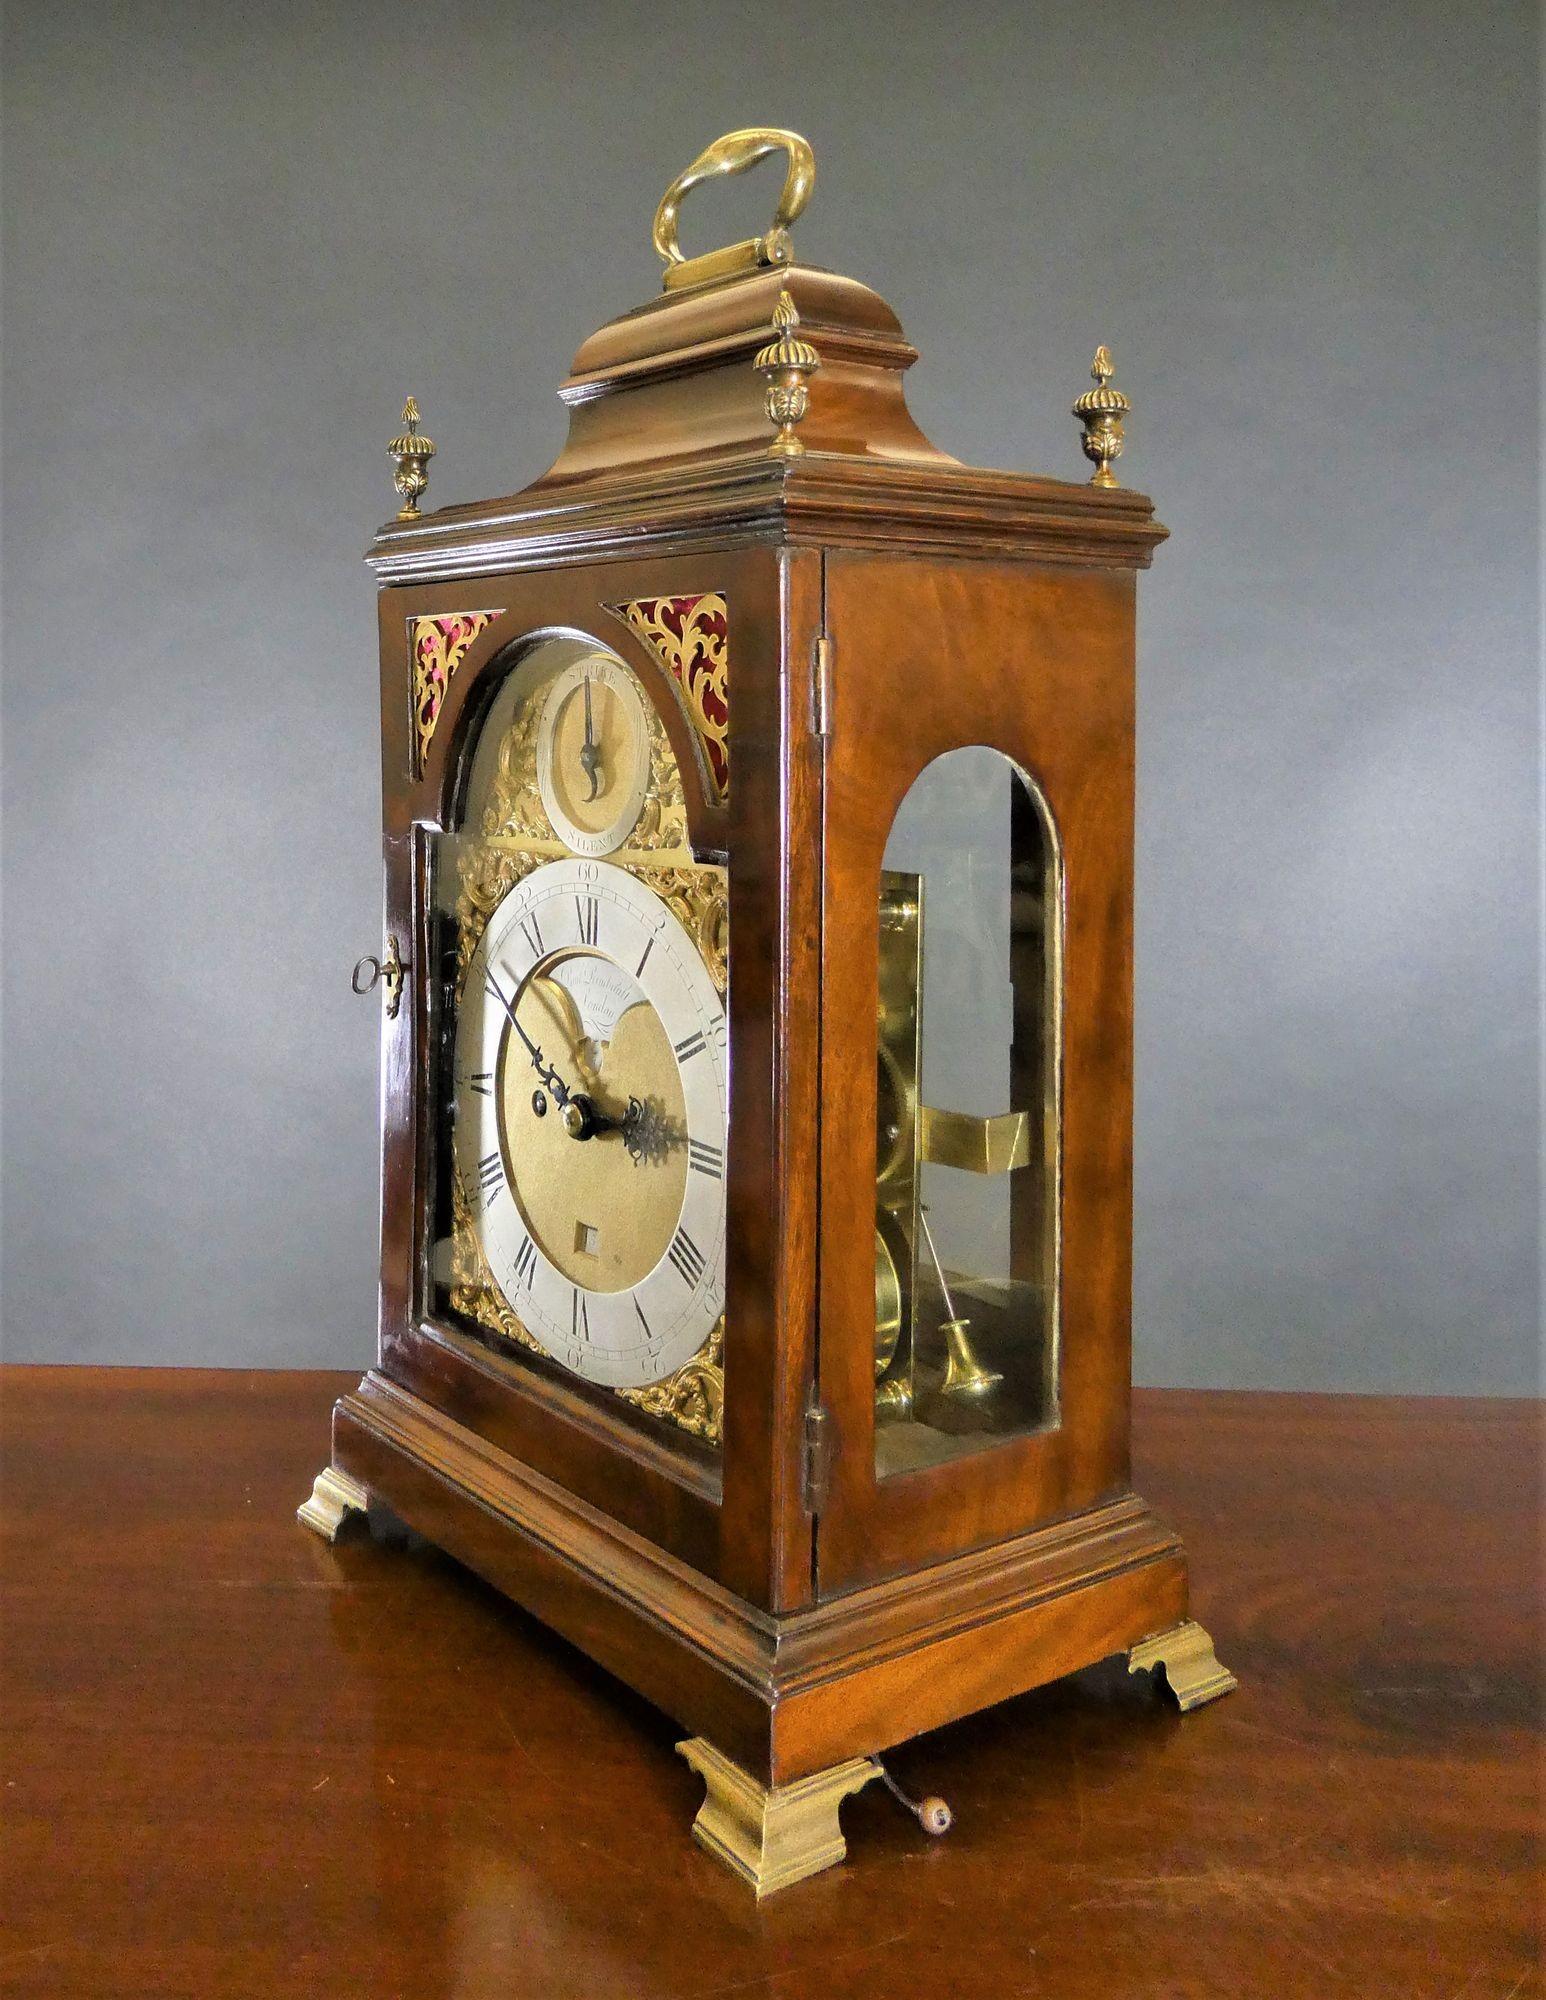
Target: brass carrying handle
[733,154]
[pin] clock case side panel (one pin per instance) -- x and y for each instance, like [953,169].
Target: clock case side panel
[1038,663]
[737,1518]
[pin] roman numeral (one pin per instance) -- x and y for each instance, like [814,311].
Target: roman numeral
[532,932]
[688,1047]
[579,1316]
[588,911]
[492,987]
[706,1159]
[687,1258]
[482,1085]
[644,960]
[526,1262]
[491,1176]
[642,1320]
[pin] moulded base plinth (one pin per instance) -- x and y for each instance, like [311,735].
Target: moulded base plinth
[781,1698]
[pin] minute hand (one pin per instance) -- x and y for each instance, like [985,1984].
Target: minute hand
[556,1087]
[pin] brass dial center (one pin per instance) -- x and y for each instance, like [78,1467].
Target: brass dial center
[601,1219]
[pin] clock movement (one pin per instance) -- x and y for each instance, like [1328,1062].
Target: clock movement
[757,1044]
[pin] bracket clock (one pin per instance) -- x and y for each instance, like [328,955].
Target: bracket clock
[757,1031]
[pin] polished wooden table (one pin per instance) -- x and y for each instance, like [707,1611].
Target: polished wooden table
[239,1762]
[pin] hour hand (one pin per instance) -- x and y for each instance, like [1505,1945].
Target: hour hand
[590,752]
[549,1077]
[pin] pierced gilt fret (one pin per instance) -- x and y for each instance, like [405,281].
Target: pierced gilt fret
[436,648]
[691,636]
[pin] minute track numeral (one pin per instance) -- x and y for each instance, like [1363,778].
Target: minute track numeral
[588,912]
[687,1258]
[706,1159]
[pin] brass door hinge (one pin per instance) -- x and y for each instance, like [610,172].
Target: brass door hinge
[821,685]
[820,1444]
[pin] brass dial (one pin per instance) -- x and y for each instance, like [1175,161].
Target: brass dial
[590,1122]
[593,756]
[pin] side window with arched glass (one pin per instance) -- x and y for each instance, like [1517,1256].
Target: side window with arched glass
[967,1124]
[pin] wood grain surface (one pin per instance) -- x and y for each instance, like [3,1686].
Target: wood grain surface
[1056,699]
[234,1761]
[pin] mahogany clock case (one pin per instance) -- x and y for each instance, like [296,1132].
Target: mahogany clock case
[884,606]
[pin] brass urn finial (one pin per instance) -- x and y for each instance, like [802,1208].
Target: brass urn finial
[789,365]
[1101,411]
[413,452]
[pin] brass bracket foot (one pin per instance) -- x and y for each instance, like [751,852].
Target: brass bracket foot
[1191,1668]
[772,1836]
[334,1496]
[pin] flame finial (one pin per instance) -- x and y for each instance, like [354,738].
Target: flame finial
[1101,411]
[789,364]
[413,452]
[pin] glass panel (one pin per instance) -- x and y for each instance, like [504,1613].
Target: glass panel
[967,1115]
[577,1210]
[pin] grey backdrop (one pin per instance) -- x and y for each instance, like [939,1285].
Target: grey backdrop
[235,235]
